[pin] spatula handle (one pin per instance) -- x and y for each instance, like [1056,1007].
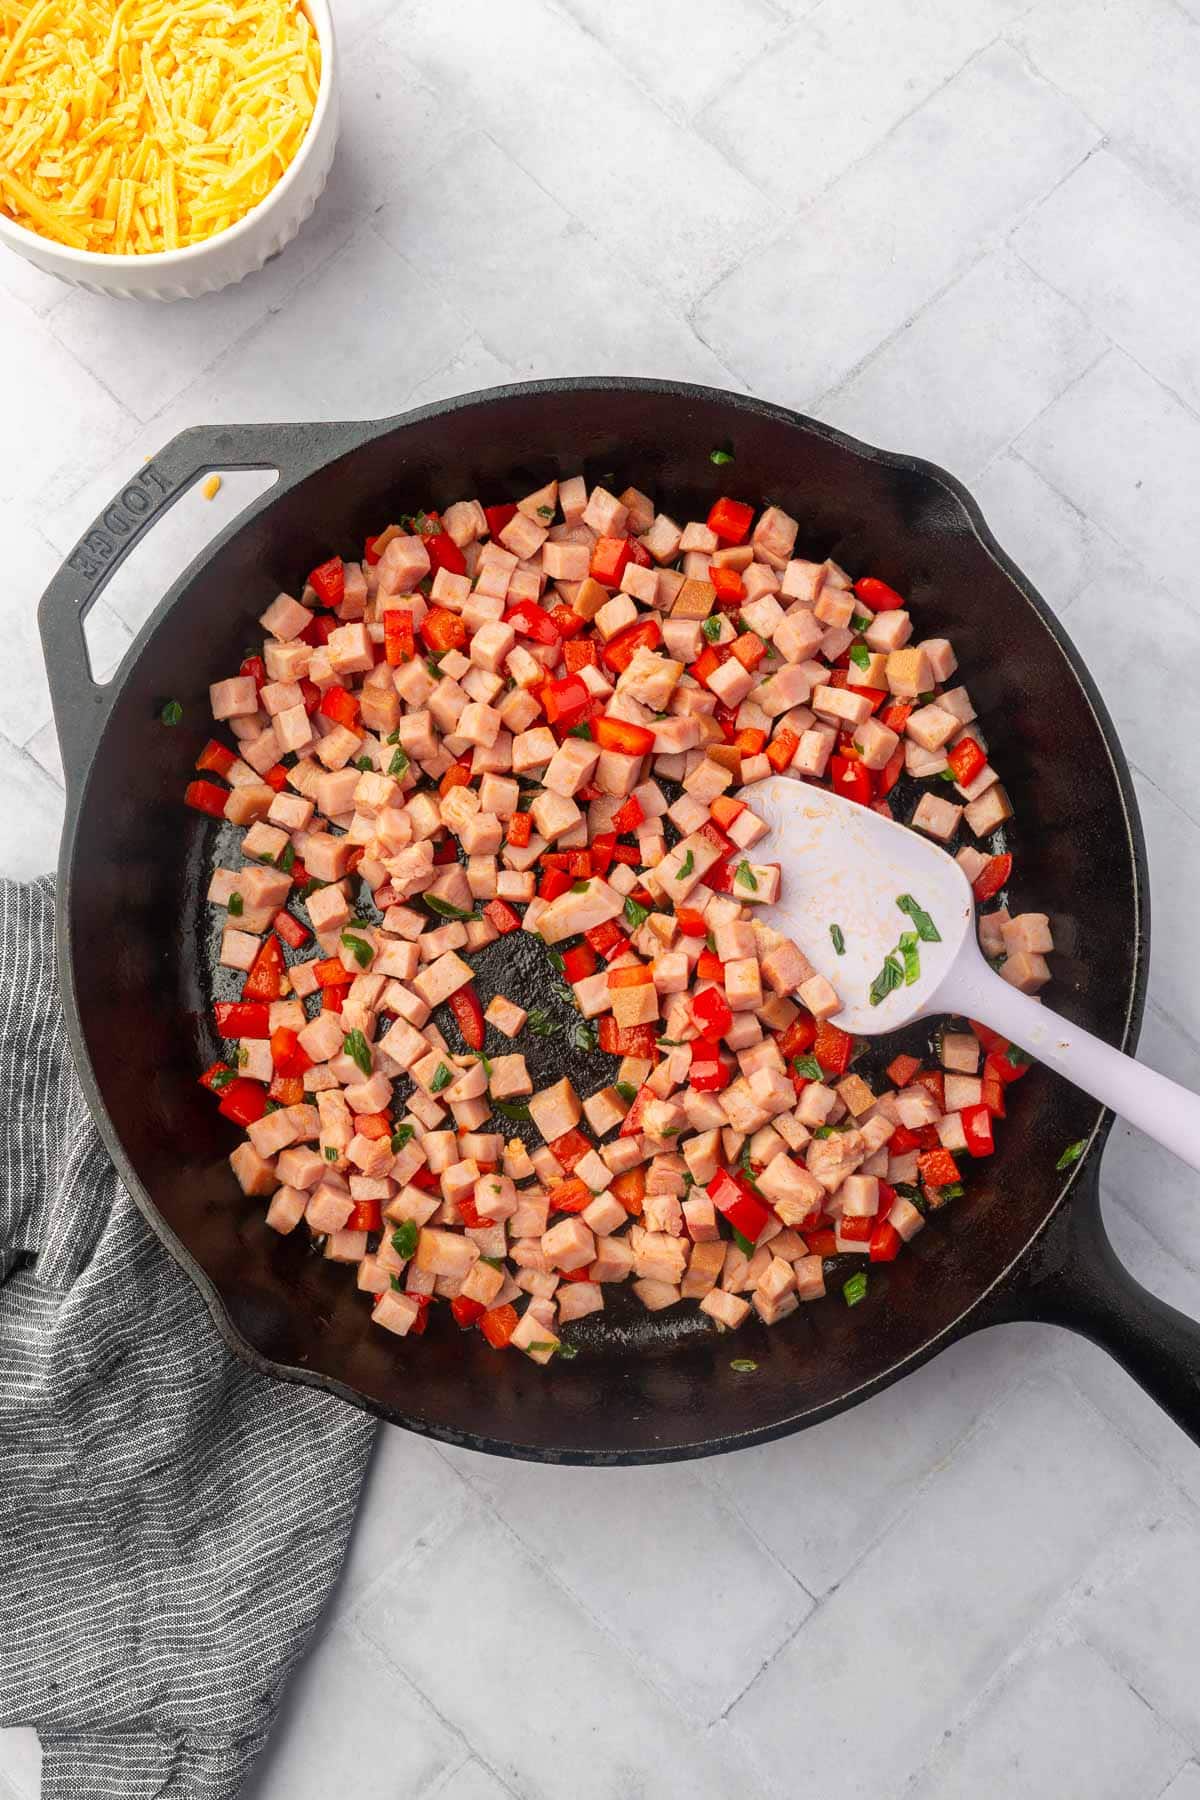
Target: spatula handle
[1166,1112]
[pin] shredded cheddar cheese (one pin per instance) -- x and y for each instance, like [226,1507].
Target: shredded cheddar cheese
[130,126]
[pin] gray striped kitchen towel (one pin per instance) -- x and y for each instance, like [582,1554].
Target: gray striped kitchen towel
[171,1522]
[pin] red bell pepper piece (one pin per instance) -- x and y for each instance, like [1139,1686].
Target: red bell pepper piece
[571,1196]
[579,962]
[472,1218]
[1005,1071]
[904,1139]
[367,1215]
[398,641]
[243,1101]
[782,749]
[520,830]
[373,1125]
[318,631]
[731,589]
[877,594]
[992,877]
[627,1040]
[333,998]
[731,520]
[604,848]
[276,777]
[289,929]
[620,651]
[832,1047]
[705,666]
[444,553]
[457,775]
[709,967]
[243,1018]
[215,759]
[265,980]
[991,1091]
[748,649]
[799,1036]
[206,797]
[630,975]
[966,760]
[711,1011]
[502,916]
[977,1129]
[331,972]
[341,706]
[442,630]
[849,778]
[465,1311]
[748,742]
[737,1202]
[609,559]
[497,518]
[897,715]
[710,1072]
[553,883]
[468,1015]
[310,694]
[254,665]
[901,1070]
[569,1149]
[532,620]
[287,1089]
[607,940]
[630,1189]
[857,1228]
[566,701]
[580,654]
[690,921]
[629,815]
[566,621]
[891,771]
[216,1077]
[288,1055]
[938,1168]
[885,1243]
[328,582]
[619,734]
[499,1322]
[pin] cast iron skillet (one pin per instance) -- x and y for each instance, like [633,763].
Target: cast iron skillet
[133,932]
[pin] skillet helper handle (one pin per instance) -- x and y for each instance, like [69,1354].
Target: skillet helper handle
[1075,1278]
[80,703]
[1166,1112]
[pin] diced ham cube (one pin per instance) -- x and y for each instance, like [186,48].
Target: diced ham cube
[555,1110]
[936,817]
[285,618]
[726,1309]
[234,699]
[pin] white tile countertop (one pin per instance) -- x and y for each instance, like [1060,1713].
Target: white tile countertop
[965,228]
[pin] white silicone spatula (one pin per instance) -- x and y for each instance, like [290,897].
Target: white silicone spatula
[845,865]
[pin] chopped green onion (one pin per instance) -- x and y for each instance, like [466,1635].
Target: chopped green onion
[487,1067]
[364,763]
[583,1037]
[404,1238]
[742,1241]
[855,1289]
[745,874]
[557,961]
[711,628]
[839,941]
[511,1109]
[910,951]
[236,905]
[399,763]
[243,1056]
[358,1050]
[889,978]
[635,915]
[545,512]
[1071,1154]
[710,940]
[947,775]
[361,950]
[582,730]
[580,887]
[567,1352]
[442,1077]
[221,1078]
[401,1136]
[823,1131]
[540,1023]
[393,737]
[1017,1058]
[397,1284]
[906,1191]
[686,866]
[927,699]
[743,1365]
[287,858]
[331,1154]
[544,1344]
[809,1067]
[860,656]
[926,930]
[627,1092]
[860,622]
[720,457]
[311,886]
[445,909]
[171,713]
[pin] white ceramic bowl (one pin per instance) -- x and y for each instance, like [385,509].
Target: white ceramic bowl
[233,254]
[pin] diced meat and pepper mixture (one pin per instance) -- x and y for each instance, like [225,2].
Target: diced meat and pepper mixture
[532,718]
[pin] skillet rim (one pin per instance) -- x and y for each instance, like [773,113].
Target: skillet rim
[346,437]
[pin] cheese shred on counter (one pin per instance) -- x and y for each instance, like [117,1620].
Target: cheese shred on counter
[141,126]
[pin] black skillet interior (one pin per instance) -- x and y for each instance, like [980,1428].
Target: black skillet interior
[137,943]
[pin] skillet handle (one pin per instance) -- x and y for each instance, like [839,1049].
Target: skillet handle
[80,703]
[1073,1277]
